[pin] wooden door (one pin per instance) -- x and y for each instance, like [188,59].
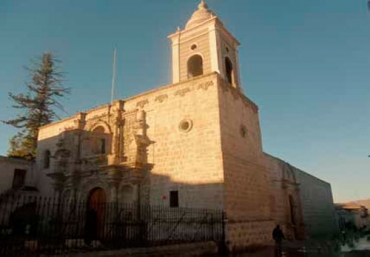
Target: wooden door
[96,212]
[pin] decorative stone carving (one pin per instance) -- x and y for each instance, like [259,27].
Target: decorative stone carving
[182,92]
[161,98]
[142,103]
[205,85]
[61,157]
[78,169]
[100,116]
[94,182]
[80,120]
[128,133]
[102,123]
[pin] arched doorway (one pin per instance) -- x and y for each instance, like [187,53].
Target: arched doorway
[95,214]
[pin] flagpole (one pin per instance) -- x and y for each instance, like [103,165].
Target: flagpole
[113,75]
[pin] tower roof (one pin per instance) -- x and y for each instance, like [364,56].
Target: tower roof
[200,15]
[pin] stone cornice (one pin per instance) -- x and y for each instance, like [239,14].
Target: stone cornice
[59,121]
[158,89]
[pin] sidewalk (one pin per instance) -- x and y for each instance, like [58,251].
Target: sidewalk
[307,249]
[292,249]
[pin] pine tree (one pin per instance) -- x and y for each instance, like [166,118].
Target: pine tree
[37,106]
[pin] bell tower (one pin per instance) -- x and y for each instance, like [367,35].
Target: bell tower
[204,46]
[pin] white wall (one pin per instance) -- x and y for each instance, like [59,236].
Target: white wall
[7,167]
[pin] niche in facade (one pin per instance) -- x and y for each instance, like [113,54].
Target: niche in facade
[99,141]
[47,156]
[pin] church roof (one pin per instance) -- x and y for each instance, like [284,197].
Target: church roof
[200,15]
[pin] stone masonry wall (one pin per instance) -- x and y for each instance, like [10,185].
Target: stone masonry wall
[247,192]
[248,234]
[48,138]
[278,199]
[187,161]
[317,205]
[286,206]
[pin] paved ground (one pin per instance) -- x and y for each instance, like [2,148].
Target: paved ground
[288,253]
[315,249]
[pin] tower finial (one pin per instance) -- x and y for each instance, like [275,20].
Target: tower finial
[200,15]
[202,5]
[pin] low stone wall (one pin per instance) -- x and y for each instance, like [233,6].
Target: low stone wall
[179,250]
[245,235]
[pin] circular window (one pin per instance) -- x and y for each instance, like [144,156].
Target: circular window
[243,131]
[193,47]
[185,125]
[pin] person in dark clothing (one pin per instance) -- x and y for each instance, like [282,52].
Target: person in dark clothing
[278,236]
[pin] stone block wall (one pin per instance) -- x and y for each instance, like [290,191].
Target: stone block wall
[48,138]
[317,205]
[182,123]
[286,205]
[248,234]
[205,143]
[185,159]
[277,199]
[247,191]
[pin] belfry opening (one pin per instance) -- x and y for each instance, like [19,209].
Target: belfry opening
[195,66]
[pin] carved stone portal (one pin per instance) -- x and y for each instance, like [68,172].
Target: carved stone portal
[104,152]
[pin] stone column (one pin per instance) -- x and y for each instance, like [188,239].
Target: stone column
[114,178]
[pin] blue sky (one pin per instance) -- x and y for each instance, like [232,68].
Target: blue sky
[305,63]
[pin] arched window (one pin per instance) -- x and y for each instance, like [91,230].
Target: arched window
[195,66]
[229,71]
[47,156]
[98,144]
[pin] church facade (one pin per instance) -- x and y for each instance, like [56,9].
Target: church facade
[194,143]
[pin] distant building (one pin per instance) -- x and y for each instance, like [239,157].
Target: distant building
[352,214]
[15,175]
[193,143]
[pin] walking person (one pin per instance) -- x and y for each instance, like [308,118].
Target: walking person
[278,236]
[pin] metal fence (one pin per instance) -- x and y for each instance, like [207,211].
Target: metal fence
[34,225]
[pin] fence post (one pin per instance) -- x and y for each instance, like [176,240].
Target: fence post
[223,249]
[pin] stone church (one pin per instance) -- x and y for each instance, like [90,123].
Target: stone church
[193,143]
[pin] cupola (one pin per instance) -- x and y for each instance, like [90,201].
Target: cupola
[199,16]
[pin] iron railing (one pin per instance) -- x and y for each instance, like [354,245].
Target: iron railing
[33,225]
